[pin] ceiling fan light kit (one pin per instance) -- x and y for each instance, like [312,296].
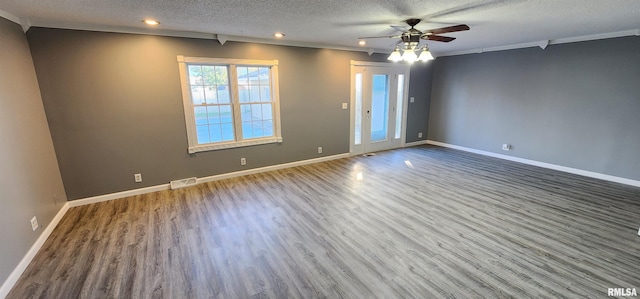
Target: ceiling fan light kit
[409,56]
[410,39]
[425,55]
[395,56]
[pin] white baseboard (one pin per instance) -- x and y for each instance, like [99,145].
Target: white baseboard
[26,260]
[415,143]
[581,172]
[134,192]
[112,196]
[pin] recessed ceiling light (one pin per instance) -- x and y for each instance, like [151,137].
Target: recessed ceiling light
[278,35]
[151,22]
[362,42]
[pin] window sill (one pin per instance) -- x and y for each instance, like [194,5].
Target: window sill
[233,144]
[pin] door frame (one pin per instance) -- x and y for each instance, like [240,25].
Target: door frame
[398,68]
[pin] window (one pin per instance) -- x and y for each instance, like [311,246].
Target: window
[229,102]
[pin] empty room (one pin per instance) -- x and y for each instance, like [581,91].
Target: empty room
[320,149]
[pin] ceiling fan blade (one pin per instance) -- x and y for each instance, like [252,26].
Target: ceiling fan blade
[455,28]
[399,28]
[386,36]
[438,38]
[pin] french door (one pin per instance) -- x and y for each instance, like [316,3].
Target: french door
[378,102]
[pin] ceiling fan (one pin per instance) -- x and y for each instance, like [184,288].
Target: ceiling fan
[410,39]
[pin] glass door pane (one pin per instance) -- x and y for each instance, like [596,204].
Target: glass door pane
[358,109]
[399,103]
[379,107]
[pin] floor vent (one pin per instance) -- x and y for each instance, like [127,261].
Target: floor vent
[183,183]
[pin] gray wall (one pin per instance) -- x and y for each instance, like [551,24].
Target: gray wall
[114,105]
[574,105]
[29,175]
[418,111]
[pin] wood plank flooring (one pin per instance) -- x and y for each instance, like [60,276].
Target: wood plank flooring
[422,222]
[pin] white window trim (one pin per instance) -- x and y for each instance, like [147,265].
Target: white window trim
[189,116]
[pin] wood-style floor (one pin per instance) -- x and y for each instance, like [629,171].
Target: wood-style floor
[422,222]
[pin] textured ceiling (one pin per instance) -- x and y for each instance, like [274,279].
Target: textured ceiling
[339,23]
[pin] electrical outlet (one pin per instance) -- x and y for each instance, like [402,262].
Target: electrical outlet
[420,135]
[243,161]
[506,147]
[34,223]
[412,99]
[319,149]
[137,177]
[345,106]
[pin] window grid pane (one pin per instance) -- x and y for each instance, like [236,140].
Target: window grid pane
[208,74]
[211,94]
[213,114]
[215,133]
[197,95]
[195,75]
[200,115]
[203,134]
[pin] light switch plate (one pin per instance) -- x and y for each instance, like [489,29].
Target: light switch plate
[345,106]
[412,99]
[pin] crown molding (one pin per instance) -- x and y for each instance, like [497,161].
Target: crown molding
[11,17]
[594,37]
[544,43]
[120,29]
